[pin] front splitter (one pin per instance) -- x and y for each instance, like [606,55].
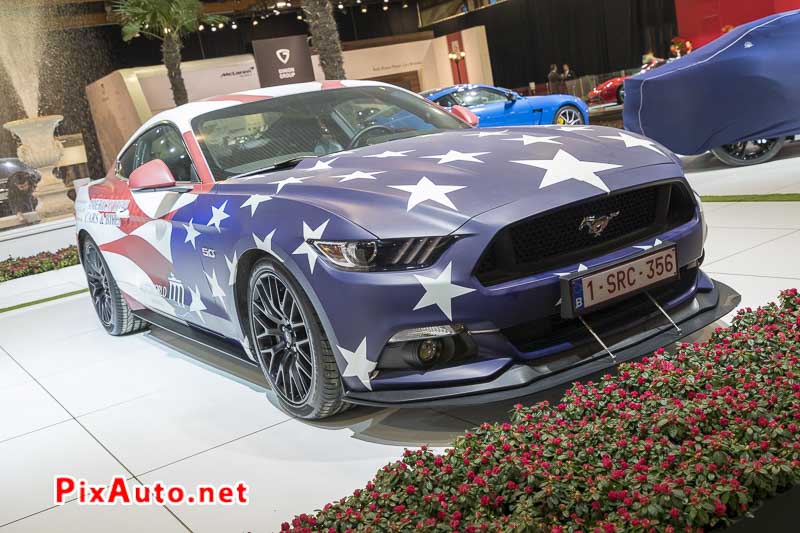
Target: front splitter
[522,379]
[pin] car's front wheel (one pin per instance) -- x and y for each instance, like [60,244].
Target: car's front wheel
[568,116]
[109,304]
[749,152]
[621,95]
[290,344]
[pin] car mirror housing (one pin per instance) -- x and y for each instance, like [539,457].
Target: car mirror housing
[154,174]
[511,96]
[465,115]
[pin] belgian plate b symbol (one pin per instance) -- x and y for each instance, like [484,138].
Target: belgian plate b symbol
[283,55]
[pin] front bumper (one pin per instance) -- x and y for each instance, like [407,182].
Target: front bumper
[710,302]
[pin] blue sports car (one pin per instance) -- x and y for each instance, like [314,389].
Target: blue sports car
[363,246]
[501,107]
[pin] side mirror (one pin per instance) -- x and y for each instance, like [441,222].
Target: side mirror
[511,96]
[465,115]
[154,174]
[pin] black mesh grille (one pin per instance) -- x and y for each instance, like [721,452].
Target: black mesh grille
[554,238]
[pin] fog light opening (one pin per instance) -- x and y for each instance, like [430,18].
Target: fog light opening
[429,351]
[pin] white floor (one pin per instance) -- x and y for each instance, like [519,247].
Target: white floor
[75,401]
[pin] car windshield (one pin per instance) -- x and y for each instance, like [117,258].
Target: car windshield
[261,135]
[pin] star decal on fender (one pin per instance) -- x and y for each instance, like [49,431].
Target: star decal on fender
[454,155]
[575,128]
[283,183]
[533,139]
[389,153]
[254,201]
[322,165]
[489,133]
[305,248]
[218,214]
[564,166]
[191,233]
[441,291]
[266,244]
[357,364]
[231,263]
[216,290]
[425,190]
[634,142]
[648,247]
[197,304]
[358,175]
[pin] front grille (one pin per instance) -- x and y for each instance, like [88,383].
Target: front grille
[611,321]
[541,242]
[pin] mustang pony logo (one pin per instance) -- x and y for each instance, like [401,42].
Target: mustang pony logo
[597,225]
[283,55]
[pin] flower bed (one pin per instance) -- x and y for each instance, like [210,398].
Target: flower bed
[687,441]
[43,262]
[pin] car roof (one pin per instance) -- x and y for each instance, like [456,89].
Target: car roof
[433,94]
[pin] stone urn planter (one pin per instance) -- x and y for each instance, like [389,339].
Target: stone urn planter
[41,150]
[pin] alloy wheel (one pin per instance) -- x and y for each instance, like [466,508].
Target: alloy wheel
[281,336]
[569,116]
[99,285]
[750,150]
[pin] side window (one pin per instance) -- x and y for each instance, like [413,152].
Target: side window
[446,101]
[126,162]
[481,96]
[166,144]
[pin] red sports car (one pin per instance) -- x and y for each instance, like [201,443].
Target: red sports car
[613,91]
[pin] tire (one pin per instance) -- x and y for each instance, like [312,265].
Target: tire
[749,152]
[111,308]
[621,95]
[568,115]
[290,344]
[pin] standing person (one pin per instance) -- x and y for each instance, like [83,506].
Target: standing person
[567,73]
[674,53]
[553,79]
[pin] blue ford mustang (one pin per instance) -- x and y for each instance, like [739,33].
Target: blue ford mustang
[500,107]
[362,245]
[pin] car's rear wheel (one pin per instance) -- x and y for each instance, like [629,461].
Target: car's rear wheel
[568,116]
[749,152]
[109,304]
[621,95]
[290,344]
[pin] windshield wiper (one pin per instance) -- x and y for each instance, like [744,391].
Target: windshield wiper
[280,165]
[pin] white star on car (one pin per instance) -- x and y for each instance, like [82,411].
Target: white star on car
[440,291]
[358,175]
[283,183]
[575,128]
[254,201]
[322,165]
[648,247]
[216,290]
[389,153]
[533,139]
[231,269]
[482,134]
[455,155]
[266,244]
[357,363]
[426,190]
[564,166]
[191,233]
[305,248]
[633,142]
[197,304]
[218,214]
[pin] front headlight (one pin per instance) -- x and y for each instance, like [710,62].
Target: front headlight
[383,255]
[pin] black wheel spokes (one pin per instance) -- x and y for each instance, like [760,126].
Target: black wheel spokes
[282,339]
[750,150]
[99,286]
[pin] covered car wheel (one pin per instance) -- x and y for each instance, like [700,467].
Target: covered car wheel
[111,308]
[568,116]
[290,344]
[749,152]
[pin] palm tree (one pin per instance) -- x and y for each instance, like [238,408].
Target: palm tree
[325,37]
[169,21]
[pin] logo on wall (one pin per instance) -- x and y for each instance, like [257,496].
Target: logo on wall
[283,60]
[283,55]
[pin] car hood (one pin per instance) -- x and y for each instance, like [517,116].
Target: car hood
[382,205]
